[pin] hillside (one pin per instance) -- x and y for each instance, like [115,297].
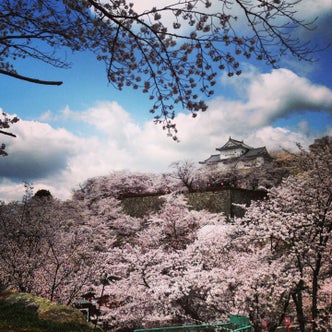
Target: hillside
[23,312]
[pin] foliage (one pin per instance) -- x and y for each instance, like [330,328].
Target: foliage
[5,123]
[171,52]
[141,270]
[269,264]
[211,177]
[267,176]
[24,312]
[186,172]
[45,248]
[126,184]
[295,226]
[179,265]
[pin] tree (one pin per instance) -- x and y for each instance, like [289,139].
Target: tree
[43,194]
[204,178]
[186,172]
[172,52]
[46,248]
[121,184]
[222,274]
[179,265]
[34,29]
[144,268]
[266,176]
[5,122]
[295,224]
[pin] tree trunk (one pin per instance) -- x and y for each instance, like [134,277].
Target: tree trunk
[315,286]
[53,287]
[298,301]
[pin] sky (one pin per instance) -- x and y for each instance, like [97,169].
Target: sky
[86,128]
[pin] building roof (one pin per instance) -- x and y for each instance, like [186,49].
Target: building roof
[255,152]
[234,144]
[250,153]
[214,158]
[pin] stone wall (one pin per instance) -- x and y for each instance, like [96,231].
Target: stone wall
[220,201]
[141,205]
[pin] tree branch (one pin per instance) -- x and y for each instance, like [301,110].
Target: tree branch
[29,79]
[5,133]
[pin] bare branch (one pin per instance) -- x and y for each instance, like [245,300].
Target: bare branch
[29,79]
[6,133]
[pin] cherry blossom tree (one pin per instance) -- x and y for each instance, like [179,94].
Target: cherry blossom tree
[211,177]
[45,248]
[119,184]
[265,176]
[219,274]
[178,265]
[295,222]
[186,172]
[5,123]
[171,52]
[143,269]
[273,262]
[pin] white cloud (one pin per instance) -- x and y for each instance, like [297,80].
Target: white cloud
[10,190]
[58,160]
[282,93]
[141,6]
[37,149]
[312,8]
[279,138]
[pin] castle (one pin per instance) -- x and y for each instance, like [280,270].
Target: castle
[237,154]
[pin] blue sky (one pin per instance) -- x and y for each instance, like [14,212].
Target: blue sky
[86,128]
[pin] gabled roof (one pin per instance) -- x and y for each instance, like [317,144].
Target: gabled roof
[255,152]
[248,153]
[234,144]
[214,158]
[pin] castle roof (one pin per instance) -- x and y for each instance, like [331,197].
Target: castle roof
[255,152]
[248,153]
[234,144]
[214,158]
